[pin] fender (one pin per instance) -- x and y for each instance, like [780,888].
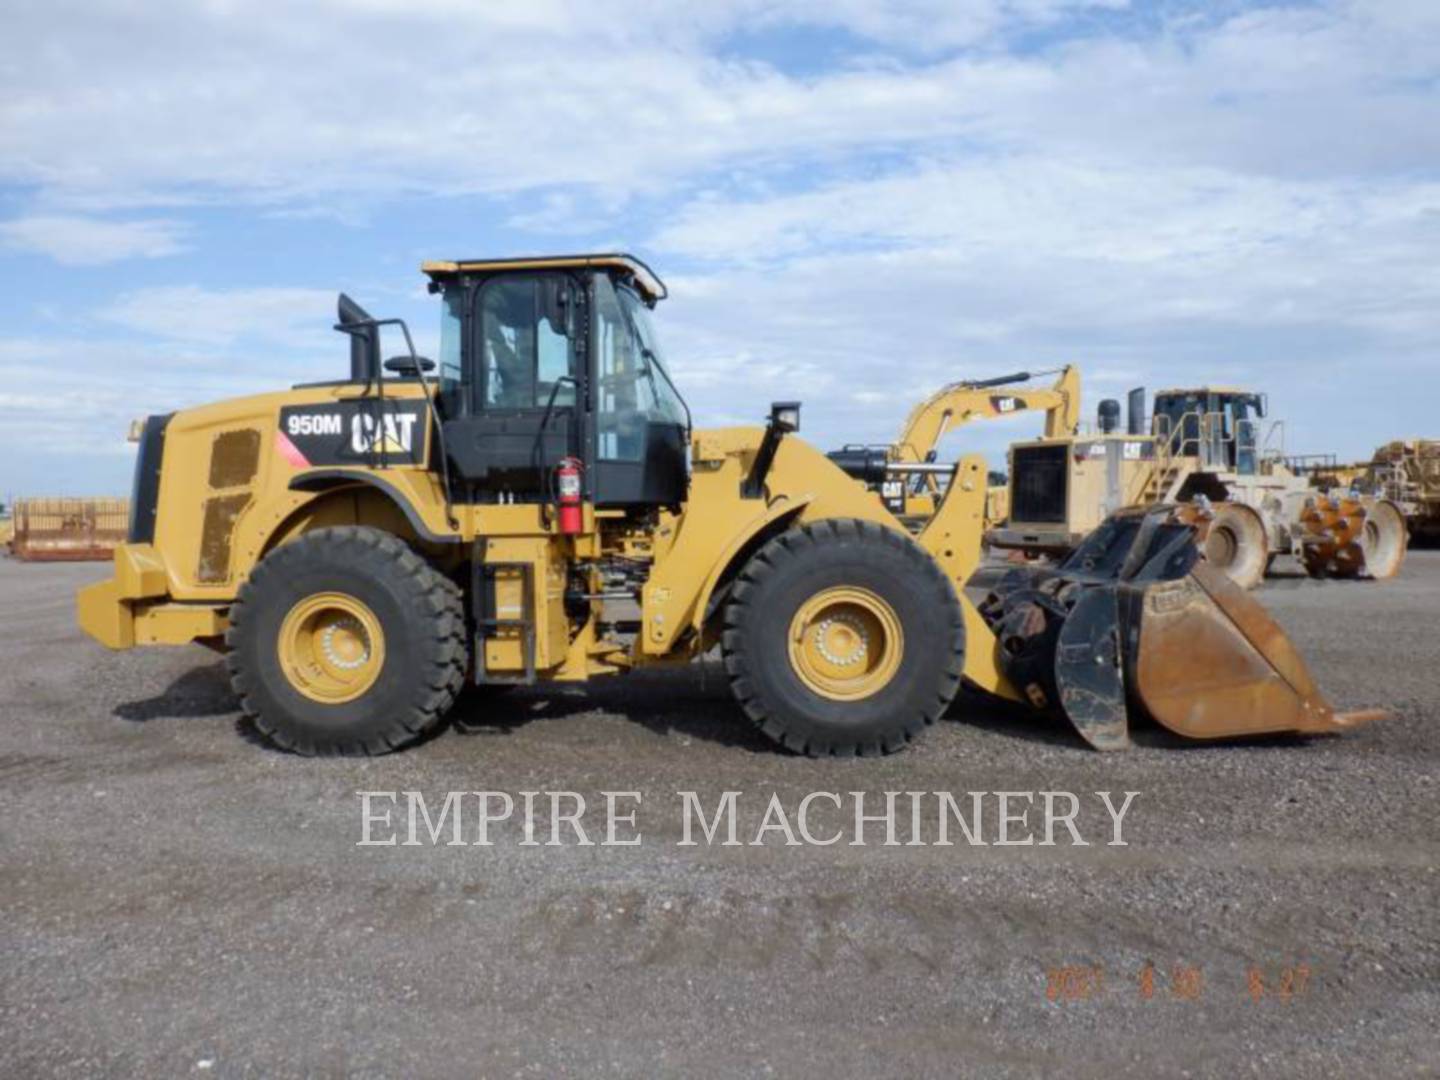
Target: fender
[777,513]
[322,480]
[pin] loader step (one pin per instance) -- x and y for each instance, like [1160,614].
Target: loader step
[488,620]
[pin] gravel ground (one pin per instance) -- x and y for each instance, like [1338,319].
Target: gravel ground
[181,900]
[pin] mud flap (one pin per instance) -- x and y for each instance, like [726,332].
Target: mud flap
[1090,670]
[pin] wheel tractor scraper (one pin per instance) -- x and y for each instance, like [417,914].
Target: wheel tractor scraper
[1135,619]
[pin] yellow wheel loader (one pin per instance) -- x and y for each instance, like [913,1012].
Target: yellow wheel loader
[534,506]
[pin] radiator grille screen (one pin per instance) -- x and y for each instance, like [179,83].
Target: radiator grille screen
[1038,487]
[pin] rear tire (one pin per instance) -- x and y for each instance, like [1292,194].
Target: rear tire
[1237,544]
[346,641]
[1384,539]
[843,638]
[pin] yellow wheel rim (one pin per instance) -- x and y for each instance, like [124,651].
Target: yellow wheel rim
[331,648]
[845,643]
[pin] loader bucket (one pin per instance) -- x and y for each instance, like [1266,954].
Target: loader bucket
[1209,662]
[1134,622]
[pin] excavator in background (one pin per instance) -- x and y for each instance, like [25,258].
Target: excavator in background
[906,473]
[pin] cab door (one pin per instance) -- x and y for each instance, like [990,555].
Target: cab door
[524,374]
[640,422]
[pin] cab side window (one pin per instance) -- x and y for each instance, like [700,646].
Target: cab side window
[452,324]
[525,343]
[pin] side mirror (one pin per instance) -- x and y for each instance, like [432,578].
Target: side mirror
[405,365]
[554,304]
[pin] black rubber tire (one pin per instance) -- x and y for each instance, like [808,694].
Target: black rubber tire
[796,565]
[421,613]
[475,695]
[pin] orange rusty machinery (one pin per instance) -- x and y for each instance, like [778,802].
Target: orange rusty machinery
[68,529]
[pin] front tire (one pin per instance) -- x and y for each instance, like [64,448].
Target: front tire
[346,641]
[843,638]
[1237,544]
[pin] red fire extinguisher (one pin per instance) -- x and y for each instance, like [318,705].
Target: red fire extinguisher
[567,483]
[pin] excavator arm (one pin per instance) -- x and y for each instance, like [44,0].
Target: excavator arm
[961,402]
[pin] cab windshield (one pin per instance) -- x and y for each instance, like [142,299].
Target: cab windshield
[633,388]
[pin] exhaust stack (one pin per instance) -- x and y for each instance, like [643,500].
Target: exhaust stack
[1135,412]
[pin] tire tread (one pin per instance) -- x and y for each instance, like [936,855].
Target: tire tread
[735,643]
[448,654]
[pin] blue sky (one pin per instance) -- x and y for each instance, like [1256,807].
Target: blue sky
[853,202]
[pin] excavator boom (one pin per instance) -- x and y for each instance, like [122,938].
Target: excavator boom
[980,399]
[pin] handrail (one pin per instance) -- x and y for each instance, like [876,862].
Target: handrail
[1269,452]
[1172,440]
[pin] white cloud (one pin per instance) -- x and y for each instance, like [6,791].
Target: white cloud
[1109,245]
[290,103]
[1323,294]
[87,241]
[57,404]
[69,400]
[918,26]
[221,317]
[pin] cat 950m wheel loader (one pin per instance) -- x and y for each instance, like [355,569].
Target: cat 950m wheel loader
[363,549]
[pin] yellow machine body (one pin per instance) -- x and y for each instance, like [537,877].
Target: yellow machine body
[231,491]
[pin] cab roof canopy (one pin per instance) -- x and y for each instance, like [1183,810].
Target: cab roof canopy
[1228,391]
[641,276]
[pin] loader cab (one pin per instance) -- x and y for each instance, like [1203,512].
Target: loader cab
[1218,426]
[547,359]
